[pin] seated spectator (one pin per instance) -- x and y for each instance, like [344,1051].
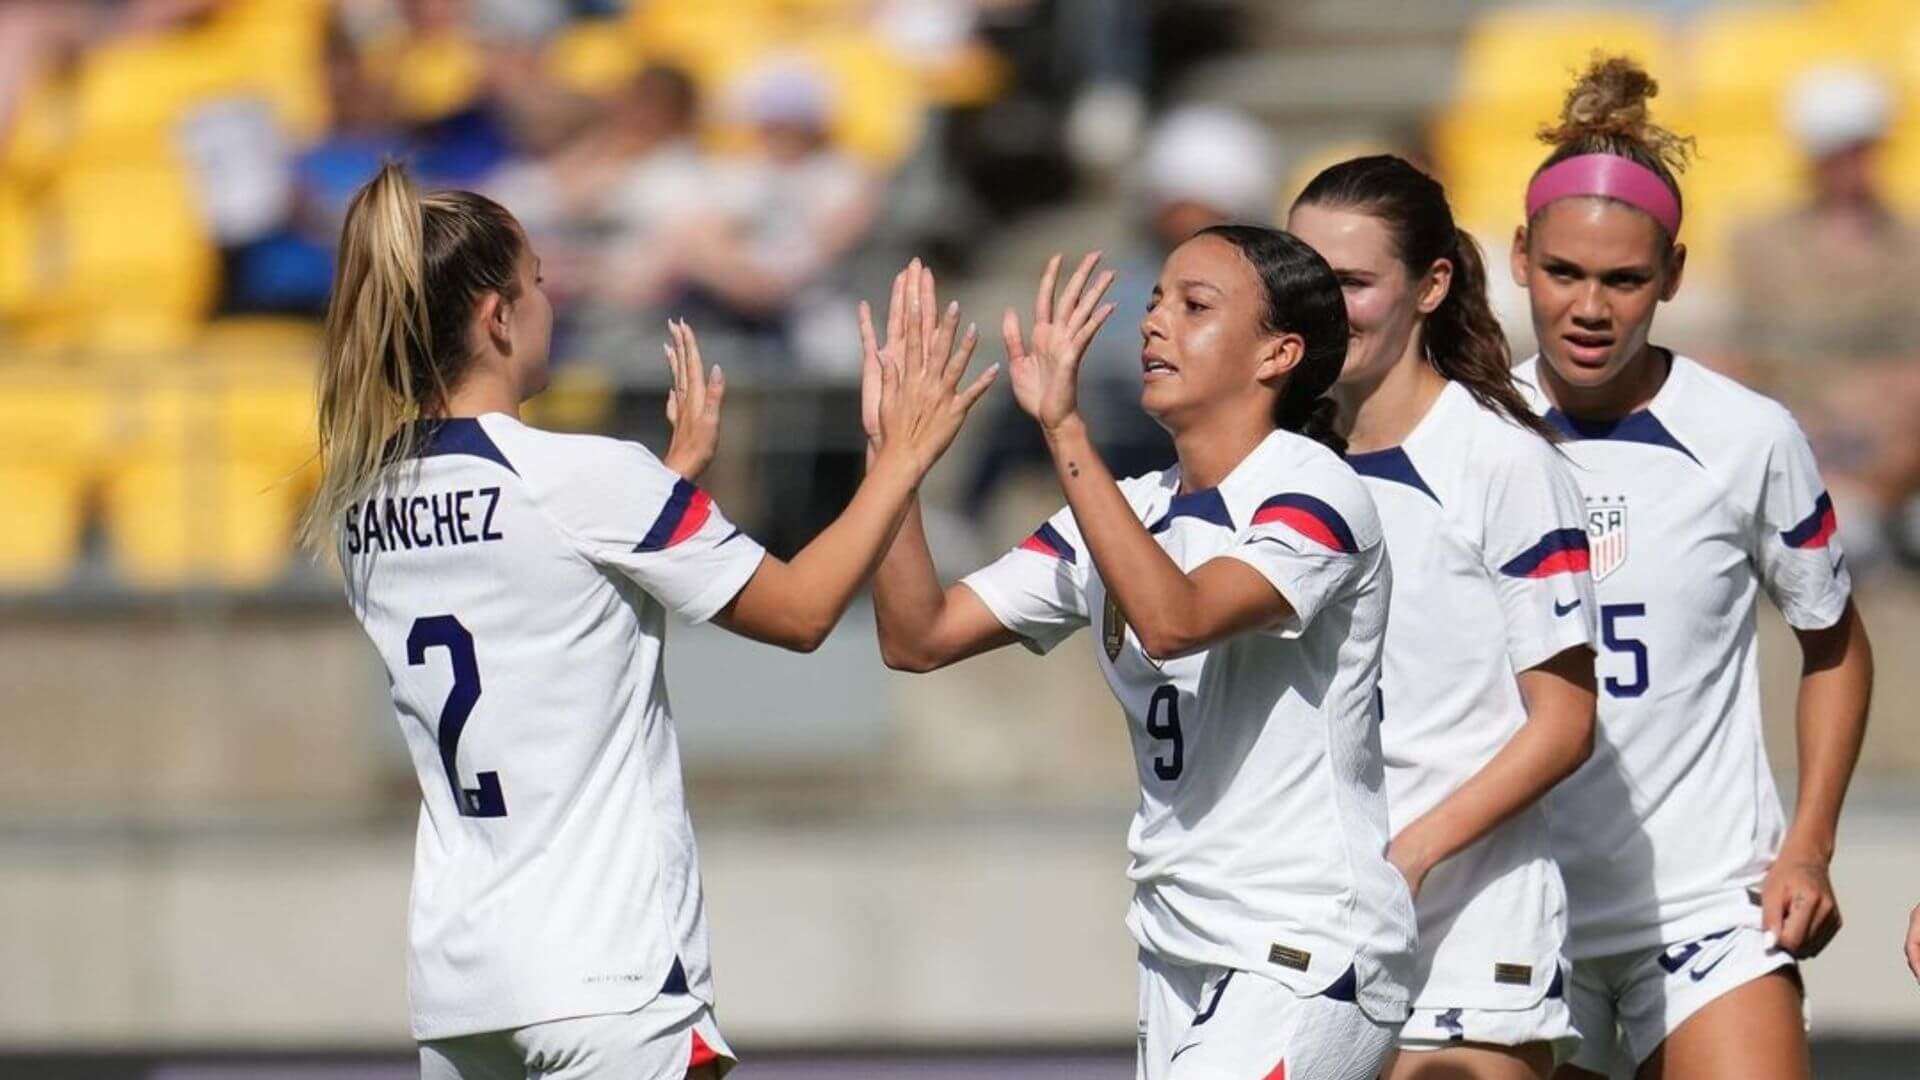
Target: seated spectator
[786,216]
[1824,301]
[606,205]
[1203,165]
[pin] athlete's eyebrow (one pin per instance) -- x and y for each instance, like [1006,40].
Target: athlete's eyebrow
[1190,284]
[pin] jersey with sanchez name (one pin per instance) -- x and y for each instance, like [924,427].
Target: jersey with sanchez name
[516,583]
[1694,503]
[1485,528]
[1259,841]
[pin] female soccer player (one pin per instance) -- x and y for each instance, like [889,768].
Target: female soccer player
[1240,599]
[1487,682]
[516,583]
[1691,897]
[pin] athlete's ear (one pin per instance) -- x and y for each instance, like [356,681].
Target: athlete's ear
[1676,268]
[1517,260]
[495,316]
[1280,355]
[1434,286]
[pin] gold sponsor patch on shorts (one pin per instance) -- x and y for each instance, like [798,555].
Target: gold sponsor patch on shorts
[1287,956]
[1513,974]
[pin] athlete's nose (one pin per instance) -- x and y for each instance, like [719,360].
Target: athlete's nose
[1590,307]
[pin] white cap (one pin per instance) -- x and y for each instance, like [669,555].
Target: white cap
[1832,108]
[1214,156]
[789,89]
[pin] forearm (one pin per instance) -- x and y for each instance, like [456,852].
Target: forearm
[1156,596]
[1541,754]
[1832,722]
[907,597]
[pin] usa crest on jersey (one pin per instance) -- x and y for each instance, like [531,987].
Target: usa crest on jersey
[1606,534]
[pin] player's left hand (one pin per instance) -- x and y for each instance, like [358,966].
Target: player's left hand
[693,405]
[1046,374]
[1797,904]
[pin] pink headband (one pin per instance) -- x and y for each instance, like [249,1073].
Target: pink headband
[1610,176]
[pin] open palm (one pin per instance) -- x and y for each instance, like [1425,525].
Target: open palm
[1046,368]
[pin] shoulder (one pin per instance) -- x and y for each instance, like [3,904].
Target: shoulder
[1302,483]
[1726,425]
[559,463]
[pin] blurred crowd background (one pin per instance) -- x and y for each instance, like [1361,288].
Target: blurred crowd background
[204,814]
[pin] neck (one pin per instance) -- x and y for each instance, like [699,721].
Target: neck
[1628,393]
[483,392]
[1384,412]
[1209,450]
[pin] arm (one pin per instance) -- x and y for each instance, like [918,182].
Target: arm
[1555,740]
[1836,682]
[920,409]
[921,626]
[1171,611]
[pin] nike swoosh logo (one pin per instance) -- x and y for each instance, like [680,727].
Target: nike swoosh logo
[1558,610]
[1702,972]
[1180,1051]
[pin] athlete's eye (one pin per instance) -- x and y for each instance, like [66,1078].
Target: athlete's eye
[1195,305]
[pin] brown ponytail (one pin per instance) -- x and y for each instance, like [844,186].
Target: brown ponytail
[409,271]
[1461,338]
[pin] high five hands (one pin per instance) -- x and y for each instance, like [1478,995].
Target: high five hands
[1045,369]
[910,396]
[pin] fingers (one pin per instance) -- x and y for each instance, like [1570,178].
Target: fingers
[1799,918]
[929,308]
[960,357]
[1826,924]
[716,391]
[978,387]
[940,348]
[1089,301]
[897,311]
[673,390]
[1043,300]
[693,383]
[1773,906]
[1084,336]
[1913,943]
[869,345]
[915,352]
[1010,335]
[1070,296]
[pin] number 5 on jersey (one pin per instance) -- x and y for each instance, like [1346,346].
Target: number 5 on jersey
[445,631]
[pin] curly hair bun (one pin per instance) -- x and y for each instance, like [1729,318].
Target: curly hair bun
[1607,111]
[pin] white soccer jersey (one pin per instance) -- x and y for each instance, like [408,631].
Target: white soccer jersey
[1693,503]
[1260,838]
[516,582]
[1487,535]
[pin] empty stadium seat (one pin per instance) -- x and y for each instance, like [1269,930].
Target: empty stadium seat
[1520,62]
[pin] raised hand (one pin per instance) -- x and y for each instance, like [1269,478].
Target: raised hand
[1046,373]
[693,405]
[920,406]
[871,353]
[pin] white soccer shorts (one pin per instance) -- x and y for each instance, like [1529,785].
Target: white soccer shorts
[1549,1021]
[661,1040]
[1626,1005]
[1209,1023]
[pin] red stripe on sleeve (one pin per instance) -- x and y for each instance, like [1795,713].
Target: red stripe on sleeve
[1300,521]
[1576,561]
[699,508]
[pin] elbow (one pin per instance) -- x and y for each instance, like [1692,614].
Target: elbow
[1165,643]
[899,657]
[806,635]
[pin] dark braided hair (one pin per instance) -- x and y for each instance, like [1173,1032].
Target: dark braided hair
[1303,297]
[1462,339]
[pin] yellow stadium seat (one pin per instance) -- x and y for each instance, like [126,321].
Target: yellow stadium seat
[192,520]
[1485,166]
[1741,61]
[594,57]
[45,511]
[136,269]
[266,339]
[1521,62]
[878,100]
[267,419]
[580,398]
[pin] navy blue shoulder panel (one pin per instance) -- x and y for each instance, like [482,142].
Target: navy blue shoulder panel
[460,435]
[1391,464]
[1640,427]
[1206,505]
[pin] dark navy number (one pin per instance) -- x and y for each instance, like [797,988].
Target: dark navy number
[1163,722]
[445,631]
[1610,632]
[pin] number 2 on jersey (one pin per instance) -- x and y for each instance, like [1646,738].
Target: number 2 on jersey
[445,631]
[1163,722]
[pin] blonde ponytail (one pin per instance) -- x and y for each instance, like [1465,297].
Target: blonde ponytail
[409,271]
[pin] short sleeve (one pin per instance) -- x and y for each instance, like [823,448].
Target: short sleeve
[1039,589]
[1306,550]
[1798,553]
[1534,540]
[632,515]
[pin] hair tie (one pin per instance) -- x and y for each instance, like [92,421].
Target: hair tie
[1609,176]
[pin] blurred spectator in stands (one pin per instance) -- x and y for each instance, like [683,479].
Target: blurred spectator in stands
[787,215]
[605,206]
[1203,165]
[1824,299]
